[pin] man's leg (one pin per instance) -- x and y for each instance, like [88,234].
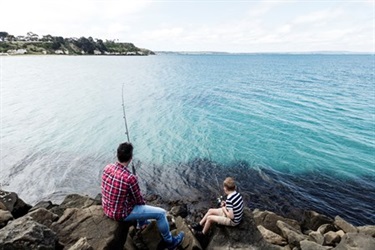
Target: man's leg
[145,212]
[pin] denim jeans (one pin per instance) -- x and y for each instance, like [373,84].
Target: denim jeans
[145,212]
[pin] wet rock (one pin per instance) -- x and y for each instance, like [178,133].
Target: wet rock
[24,233]
[344,225]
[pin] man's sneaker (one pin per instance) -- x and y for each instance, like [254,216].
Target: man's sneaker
[196,227]
[176,241]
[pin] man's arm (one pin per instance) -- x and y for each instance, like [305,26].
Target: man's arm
[135,190]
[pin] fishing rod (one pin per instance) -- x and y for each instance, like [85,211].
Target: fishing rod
[220,198]
[126,123]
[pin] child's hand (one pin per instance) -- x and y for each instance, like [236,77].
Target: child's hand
[223,203]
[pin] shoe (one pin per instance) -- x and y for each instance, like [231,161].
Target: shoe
[176,241]
[196,227]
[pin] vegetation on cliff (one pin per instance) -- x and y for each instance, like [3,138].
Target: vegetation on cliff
[48,44]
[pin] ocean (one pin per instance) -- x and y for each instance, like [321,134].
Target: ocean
[296,131]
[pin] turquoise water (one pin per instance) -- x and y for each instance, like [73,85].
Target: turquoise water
[279,116]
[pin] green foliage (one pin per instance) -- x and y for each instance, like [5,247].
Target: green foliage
[49,44]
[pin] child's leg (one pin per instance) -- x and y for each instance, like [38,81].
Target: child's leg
[211,211]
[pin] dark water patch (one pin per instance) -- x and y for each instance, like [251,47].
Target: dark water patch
[287,194]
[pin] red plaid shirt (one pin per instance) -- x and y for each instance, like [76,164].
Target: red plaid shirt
[120,191]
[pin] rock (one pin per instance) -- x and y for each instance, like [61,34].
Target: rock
[313,220]
[5,216]
[14,204]
[42,204]
[24,233]
[291,234]
[317,237]
[272,237]
[81,244]
[244,236]
[268,220]
[180,210]
[310,245]
[74,201]
[90,222]
[44,216]
[326,228]
[344,225]
[368,230]
[356,241]
[331,238]
[190,242]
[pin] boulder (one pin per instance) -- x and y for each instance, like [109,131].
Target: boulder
[368,230]
[355,241]
[326,228]
[74,201]
[91,223]
[331,238]
[272,237]
[44,216]
[244,236]
[344,225]
[5,216]
[190,242]
[81,244]
[317,237]
[313,220]
[24,233]
[291,234]
[268,220]
[13,204]
[42,204]
[180,210]
[310,245]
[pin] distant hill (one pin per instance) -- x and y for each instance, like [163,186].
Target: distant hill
[34,44]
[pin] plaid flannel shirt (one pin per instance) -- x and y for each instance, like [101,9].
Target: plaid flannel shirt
[120,191]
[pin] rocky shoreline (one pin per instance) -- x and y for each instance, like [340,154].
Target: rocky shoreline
[78,223]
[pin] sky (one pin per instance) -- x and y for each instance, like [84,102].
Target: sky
[202,25]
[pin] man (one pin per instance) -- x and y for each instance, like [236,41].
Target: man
[229,214]
[122,199]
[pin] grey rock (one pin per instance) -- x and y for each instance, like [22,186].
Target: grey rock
[180,210]
[244,236]
[42,204]
[24,233]
[269,219]
[291,234]
[13,204]
[74,201]
[310,245]
[90,222]
[356,241]
[317,237]
[326,228]
[313,220]
[5,216]
[44,216]
[331,238]
[81,244]
[190,242]
[368,230]
[344,225]
[272,237]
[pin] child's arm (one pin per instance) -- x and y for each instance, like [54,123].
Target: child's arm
[228,212]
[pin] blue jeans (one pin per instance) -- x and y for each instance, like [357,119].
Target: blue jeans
[145,212]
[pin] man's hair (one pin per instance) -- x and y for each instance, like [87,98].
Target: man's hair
[229,184]
[124,152]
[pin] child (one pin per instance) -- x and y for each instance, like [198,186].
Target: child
[229,214]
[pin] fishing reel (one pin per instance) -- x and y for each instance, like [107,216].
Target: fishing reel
[219,200]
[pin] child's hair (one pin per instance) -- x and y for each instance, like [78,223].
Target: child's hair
[229,184]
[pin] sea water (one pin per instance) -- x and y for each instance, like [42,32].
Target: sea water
[296,131]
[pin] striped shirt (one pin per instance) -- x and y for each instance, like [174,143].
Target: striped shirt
[120,191]
[235,202]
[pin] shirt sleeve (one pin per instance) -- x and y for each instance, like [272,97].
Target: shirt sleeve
[135,190]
